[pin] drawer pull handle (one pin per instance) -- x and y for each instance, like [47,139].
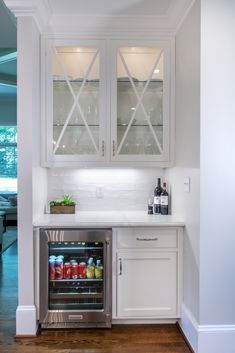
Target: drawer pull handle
[146,239]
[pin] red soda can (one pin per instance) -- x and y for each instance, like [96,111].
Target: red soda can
[67,270]
[74,270]
[51,269]
[82,270]
[59,273]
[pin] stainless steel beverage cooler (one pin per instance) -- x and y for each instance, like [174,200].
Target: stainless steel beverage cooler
[75,302]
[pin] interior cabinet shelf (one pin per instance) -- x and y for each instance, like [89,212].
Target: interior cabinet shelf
[119,81]
[119,125]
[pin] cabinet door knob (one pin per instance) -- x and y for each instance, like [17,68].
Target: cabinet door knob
[113,148]
[102,148]
[120,266]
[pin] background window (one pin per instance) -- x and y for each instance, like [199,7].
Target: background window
[8,158]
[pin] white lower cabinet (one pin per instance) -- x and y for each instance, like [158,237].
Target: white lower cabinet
[148,277]
[146,284]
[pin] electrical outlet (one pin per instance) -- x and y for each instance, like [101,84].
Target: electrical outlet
[187,184]
[99,192]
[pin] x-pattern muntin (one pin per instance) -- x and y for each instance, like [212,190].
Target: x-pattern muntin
[76,100]
[139,101]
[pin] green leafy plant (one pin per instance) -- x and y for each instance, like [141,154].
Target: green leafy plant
[67,201]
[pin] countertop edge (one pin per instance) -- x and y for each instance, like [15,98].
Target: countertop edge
[109,219]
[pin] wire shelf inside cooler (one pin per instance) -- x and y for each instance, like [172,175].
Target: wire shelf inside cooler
[74,246]
[77,295]
[73,249]
[77,280]
[76,306]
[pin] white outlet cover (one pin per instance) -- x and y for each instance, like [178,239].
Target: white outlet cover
[187,184]
[99,192]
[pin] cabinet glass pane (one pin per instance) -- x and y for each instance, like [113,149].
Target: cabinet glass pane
[140,100]
[75,100]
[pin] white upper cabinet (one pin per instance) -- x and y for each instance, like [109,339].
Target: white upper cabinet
[140,101]
[75,102]
[107,102]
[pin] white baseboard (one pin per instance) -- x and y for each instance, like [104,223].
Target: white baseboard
[216,338]
[189,327]
[116,321]
[26,321]
[207,338]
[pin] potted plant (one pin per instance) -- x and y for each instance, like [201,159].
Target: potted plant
[66,206]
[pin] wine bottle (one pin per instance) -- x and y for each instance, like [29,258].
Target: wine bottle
[164,200]
[157,197]
[150,206]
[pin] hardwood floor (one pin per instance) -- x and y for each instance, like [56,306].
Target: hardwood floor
[119,339]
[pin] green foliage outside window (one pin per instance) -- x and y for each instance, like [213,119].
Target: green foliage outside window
[8,152]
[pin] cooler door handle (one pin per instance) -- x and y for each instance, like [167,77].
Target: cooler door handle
[103,148]
[120,266]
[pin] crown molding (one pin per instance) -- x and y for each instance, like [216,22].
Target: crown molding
[38,9]
[109,24]
[92,24]
[187,6]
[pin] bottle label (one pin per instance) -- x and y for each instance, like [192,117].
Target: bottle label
[157,200]
[164,200]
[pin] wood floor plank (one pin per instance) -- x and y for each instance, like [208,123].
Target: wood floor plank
[118,339]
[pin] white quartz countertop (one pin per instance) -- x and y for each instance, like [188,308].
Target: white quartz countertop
[107,219]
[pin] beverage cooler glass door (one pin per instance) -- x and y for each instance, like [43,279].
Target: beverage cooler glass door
[75,277]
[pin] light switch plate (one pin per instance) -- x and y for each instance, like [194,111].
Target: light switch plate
[99,192]
[186,184]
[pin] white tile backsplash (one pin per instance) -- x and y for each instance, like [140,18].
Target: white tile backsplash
[123,189]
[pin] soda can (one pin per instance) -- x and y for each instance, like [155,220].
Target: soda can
[52,257]
[67,270]
[51,269]
[59,273]
[82,270]
[74,270]
[60,257]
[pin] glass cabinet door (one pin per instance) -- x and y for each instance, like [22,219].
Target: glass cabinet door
[77,91]
[140,107]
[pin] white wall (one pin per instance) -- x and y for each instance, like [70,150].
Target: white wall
[123,188]
[39,174]
[8,111]
[185,204]
[27,113]
[217,245]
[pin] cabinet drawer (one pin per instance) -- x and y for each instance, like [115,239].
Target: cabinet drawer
[146,238]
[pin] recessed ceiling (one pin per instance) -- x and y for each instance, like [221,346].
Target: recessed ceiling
[111,7]
[6,90]
[8,67]
[8,38]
